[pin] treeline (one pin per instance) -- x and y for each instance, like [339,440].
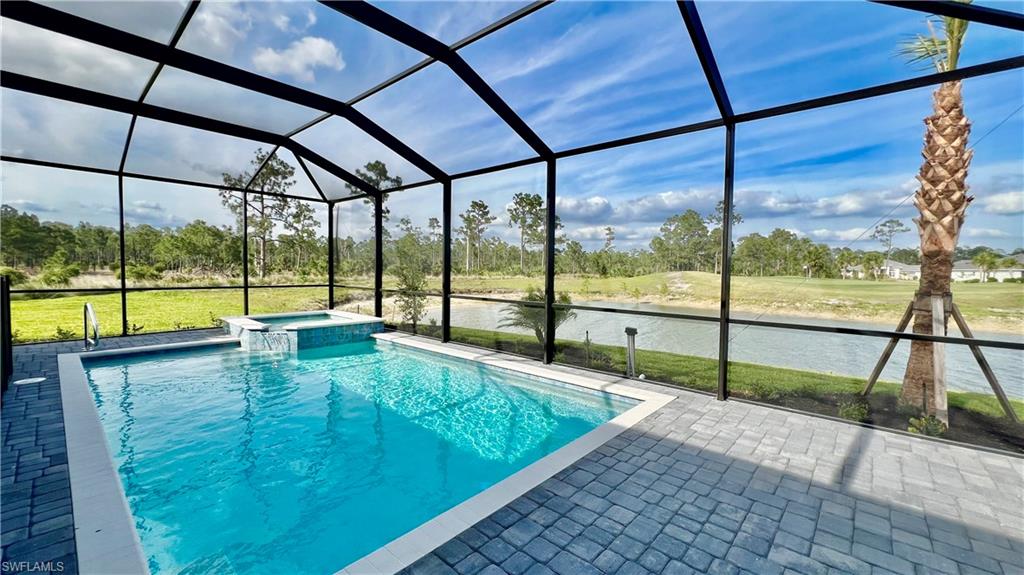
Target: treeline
[685,242]
[34,247]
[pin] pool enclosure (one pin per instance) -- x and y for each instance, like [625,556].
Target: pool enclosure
[733,181]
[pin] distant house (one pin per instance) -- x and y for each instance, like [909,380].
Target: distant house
[899,271]
[965,270]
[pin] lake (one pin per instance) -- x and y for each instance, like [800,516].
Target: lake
[814,351]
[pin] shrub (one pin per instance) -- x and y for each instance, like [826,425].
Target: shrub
[62,333]
[58,269]
[15,276]
[929,425]
[855,410]
[143,273]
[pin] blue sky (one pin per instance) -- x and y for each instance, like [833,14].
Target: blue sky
[578,73]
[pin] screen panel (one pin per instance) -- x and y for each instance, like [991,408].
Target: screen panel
[827,232]
[773,53]
[180,90]
[59,228]
[154,20]
[643,225]
[179,235]
[413,247]
[174,151]
[436,114]
[58,58]
[449,21]
[302,43]
[498,233]
[343,143]
[41,128]
[585,72]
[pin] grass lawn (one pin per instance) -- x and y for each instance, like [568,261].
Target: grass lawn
[989,306]
[61,318]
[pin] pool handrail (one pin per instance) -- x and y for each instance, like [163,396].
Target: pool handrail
[89,320]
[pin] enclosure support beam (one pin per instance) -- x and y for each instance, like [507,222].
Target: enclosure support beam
[727,211]
[245,253]
[549,265]
[373,17]
[28,84]
[422,64]
[124,269]
[688,10]
[330,255]
[84,29]
[962,11]
[706,56]
[446,263]
[378,255]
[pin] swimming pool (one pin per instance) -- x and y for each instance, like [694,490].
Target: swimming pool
[248,462]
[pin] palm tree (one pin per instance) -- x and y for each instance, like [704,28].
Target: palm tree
[872,263]
[986,262]
[533,317]
[941,198]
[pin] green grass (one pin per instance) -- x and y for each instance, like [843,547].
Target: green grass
[150,311]
[988,306]
[745,379]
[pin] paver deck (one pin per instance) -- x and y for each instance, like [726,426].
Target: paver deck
[701,486]
[36,523]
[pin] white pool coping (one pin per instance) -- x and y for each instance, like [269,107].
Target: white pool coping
[407,549]
[105,537]
[107,542]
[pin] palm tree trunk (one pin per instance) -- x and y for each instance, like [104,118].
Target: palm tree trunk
[942,201]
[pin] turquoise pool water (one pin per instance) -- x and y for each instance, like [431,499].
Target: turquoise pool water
[277,323]
[238,462]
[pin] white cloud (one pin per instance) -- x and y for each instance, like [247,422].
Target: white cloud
[300,58]
[847,235]
[281,22]
[41,54]
[985,233]
[218,27]
[582,208]
[648,208]
[1006,203]
[31,206]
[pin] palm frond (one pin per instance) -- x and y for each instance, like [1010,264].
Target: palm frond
[939,50]
[928,52]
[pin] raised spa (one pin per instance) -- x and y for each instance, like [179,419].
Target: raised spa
[300,330]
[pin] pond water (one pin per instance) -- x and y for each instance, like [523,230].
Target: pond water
[814,351]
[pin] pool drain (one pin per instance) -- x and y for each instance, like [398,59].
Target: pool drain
[29,380]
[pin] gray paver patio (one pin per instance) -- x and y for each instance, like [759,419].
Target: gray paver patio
[704,486]
[36,521]
[700,486]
